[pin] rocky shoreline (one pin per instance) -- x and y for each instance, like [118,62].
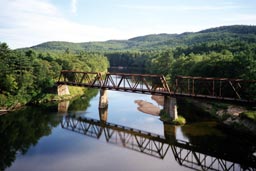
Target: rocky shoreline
[229,116]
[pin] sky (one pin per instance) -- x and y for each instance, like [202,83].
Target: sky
[25,23]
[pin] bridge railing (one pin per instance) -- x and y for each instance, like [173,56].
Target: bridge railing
[78,78]
[217,88]
[142,83]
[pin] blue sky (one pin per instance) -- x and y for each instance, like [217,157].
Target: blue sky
[25,23]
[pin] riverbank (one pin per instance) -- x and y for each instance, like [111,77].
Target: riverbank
[234,117]
[230,116]
[50,96]
[2,112]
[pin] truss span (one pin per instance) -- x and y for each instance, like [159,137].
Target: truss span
[222,89]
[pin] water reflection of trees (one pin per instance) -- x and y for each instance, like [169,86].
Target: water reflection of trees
[20,130]
[197,155]
[82,103]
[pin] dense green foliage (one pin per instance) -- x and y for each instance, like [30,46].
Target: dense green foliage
[236,60]
[27,73]
[249,115]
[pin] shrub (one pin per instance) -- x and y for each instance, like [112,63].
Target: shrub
[179,121]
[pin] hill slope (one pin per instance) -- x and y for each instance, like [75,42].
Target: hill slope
[225,34]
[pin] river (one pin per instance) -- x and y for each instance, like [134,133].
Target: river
[119,138]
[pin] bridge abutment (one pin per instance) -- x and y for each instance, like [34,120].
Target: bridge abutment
[103,101]
[170,107]
[63,90]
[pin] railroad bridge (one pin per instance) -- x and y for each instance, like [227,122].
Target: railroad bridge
[221,89]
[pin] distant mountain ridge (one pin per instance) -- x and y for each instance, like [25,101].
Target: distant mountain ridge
[224,34]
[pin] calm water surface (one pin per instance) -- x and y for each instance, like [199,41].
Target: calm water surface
[121,138]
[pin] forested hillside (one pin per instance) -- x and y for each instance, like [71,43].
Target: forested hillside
[223,34]
[26,74]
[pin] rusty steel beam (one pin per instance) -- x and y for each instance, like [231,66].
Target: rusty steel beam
[225,89]
[77,78]
[214,78]
[216,88]
[140,83]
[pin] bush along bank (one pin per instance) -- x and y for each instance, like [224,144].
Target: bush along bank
[239,119]
[52,96]
[166,118]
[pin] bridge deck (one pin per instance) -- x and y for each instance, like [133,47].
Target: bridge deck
[223,89]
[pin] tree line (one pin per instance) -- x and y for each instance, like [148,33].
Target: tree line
[214,59]
[26,73]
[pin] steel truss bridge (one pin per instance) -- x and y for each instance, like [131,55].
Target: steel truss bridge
[223,89]
[185,153]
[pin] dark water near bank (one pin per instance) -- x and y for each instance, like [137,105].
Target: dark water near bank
[120,138]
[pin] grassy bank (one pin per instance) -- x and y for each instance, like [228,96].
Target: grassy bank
[52,95]
[166,118]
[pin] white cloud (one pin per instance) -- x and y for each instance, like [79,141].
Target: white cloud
[74,6]
[242,18]
[180,7]
[26,23]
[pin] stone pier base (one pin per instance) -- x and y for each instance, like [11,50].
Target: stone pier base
[103,101]
[170,107]
[63,90]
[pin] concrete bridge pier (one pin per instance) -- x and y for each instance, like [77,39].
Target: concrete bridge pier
[170,107]
[63,90]
[103,101]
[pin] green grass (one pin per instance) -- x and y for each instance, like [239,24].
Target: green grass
[179,121]
[74,91]
[48,97]
[249,115]
[166,118]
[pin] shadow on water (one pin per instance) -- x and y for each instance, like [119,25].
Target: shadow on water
[200,152]
[22,129]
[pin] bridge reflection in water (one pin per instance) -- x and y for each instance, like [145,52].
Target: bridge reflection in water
[185,153]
